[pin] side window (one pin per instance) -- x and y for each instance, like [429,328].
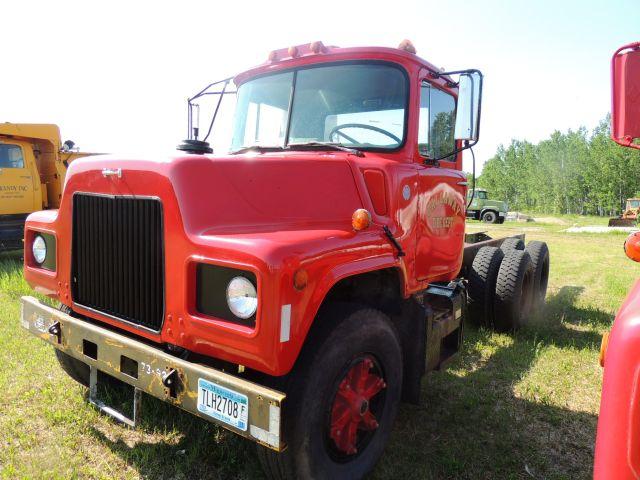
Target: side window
[482,195]
[436,122]
[11,156]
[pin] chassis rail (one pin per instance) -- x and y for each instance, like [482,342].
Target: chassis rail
[111,353]
[475,241]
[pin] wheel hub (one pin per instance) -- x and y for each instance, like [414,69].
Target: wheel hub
[351,412]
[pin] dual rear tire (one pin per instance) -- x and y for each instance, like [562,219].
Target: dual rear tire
[507,284]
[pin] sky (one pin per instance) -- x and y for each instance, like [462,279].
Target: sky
[115,75]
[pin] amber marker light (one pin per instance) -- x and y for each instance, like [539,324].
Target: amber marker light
[316,47]
[361,219]
[407,46]
[632,246]
[300,279]
[603,347]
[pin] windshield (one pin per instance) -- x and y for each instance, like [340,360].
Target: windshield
[634,203]
[356,105]
[481,194]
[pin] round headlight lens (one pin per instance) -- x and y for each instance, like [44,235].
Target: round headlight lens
[242,297]
[39,249]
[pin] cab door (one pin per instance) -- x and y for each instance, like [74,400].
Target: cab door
[442,189]
[19,189]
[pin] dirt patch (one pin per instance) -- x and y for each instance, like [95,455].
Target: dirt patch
[600,229]
[550,220]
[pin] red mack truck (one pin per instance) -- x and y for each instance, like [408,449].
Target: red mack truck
[617,454]
[298,288]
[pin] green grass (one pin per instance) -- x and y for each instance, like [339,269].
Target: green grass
[508,405]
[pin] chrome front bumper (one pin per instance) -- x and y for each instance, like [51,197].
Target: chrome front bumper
[147,369]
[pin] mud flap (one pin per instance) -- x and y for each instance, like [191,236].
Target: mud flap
[412,323]
[430,328]
[444,337]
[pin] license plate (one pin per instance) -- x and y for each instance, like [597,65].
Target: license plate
[223,404]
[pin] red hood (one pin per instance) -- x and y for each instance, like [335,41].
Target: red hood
[233,194]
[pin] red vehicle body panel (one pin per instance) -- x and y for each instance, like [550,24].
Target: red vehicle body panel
[275,213]
[617,454]
[618,441]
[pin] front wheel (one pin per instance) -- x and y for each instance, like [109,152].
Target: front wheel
[343,396]
[73,367]
[489,217]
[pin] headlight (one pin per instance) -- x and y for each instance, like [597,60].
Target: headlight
[39,249]
[242,297]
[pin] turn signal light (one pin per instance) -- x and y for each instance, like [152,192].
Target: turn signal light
[300,279]
[632,246]
[603,347]
[361,219]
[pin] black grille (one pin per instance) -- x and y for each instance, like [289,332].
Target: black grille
[118,259]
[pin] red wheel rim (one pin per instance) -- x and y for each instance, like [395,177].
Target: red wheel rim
[351,413]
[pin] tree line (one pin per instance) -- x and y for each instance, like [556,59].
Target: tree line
[575,172]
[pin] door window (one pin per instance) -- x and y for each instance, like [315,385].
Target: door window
[437,122]
[11,156]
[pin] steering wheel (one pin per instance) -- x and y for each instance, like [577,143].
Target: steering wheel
[336,131]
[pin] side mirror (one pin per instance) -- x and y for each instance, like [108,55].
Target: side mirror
[625,98]
[632,246]
[468,110]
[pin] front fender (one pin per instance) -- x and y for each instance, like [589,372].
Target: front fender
[325,271]
[617,452]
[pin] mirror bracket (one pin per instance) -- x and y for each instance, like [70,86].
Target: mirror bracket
[450,83]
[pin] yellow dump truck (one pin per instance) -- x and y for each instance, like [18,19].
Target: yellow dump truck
[33,165]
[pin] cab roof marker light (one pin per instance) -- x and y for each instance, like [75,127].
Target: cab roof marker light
[317,47]
[407,46]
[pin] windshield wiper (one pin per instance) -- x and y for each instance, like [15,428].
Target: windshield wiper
[259,148]
[325,145]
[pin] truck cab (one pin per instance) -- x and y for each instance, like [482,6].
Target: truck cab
[482,208]
[294,289]
[33,164]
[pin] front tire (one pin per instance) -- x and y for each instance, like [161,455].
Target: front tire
[489,217]
[343,396]
[76,369]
